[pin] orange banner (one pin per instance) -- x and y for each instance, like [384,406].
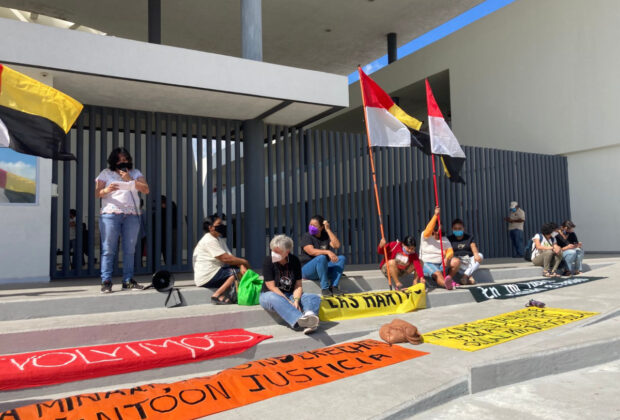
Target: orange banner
[230,388]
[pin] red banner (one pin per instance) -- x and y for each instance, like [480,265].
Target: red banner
[231,388]
[50,367]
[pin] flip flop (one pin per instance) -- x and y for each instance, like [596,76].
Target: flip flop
[398,287]
[217,301]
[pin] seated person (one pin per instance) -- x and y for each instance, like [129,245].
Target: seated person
[466,250]
[318,256]
[572,249]
[282,289]
[430,253]
[402,260]
[545,251]
[214,266]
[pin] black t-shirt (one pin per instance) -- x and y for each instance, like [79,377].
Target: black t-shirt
[322,242]
[462,246]
[561,241]
[284,275]
[572,238]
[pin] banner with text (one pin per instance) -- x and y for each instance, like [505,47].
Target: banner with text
[499,329]
[363,305]
[65,365]
[524,288]
[231,388]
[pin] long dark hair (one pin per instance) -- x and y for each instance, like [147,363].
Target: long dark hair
[114,156]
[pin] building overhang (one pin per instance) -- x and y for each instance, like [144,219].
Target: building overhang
[116,72]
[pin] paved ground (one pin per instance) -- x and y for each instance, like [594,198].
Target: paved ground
[590,393]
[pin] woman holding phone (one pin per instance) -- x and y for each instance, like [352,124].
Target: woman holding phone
[118,187]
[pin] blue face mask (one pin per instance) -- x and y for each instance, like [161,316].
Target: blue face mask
[513,210]
[457,232]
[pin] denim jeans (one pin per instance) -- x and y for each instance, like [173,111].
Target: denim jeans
[113,226]
[275,303]
[573,259]
[516,236]
[322,269]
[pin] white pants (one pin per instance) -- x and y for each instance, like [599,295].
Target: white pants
[469,265]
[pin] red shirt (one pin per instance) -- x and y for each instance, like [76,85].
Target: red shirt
[403,260]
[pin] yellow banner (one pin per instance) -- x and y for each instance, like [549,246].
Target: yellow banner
[501,328]
[363,305]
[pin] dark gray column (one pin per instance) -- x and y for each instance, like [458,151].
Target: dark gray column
[251,30]
[154,28]
[255,227]
[391,47]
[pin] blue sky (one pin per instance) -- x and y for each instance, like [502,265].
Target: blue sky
[451,26]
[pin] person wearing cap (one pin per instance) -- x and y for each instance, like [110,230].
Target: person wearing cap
[430,253]
[515,220]
[214,265]
[572,249]
[282,288]
[402,260]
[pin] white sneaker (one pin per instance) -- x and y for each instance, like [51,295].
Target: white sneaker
[308,320]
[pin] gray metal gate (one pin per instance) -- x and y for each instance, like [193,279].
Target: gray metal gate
[174,152]
[197,165]
[328,173]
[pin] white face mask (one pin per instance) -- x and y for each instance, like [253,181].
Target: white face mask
[275,257]
[554,234]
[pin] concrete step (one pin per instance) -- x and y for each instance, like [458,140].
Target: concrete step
[84,297]
[424,383]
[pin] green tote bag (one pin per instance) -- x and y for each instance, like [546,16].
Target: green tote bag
[249,289]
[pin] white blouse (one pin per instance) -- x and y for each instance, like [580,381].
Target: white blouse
[125,200]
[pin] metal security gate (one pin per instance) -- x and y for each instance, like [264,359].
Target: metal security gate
[195,166]
[328,173]
[192,169]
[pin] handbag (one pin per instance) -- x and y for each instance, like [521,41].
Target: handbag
[249,289]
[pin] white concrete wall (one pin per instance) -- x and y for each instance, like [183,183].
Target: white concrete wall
[595,201]
[538,76]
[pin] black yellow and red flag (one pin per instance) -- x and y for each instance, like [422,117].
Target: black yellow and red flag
[34,117]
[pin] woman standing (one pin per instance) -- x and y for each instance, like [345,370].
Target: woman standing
[118,188]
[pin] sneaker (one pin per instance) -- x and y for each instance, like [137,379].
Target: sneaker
[132,285]
[308,320]
[106,287]
[326,292]
[310,330]
[336,291]
[449,283]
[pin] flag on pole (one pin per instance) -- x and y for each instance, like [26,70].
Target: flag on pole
[442,140]
[388,124]
[34,117]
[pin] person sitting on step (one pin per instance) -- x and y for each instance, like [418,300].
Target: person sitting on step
[282,287]
[430,253]
[402,260]
[214,265]
[546,253]
[466,250]
[319,258]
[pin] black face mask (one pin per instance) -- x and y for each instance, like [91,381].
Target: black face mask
[123,166]
[221,229]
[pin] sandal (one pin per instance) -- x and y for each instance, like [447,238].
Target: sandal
[546,274]
[217,301]
[398,286]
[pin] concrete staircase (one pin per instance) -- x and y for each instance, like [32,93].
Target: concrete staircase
[75,313]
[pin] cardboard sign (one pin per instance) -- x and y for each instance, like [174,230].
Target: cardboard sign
[363,305]
[50,367]
[231,388]
[499,329]
[524,288]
